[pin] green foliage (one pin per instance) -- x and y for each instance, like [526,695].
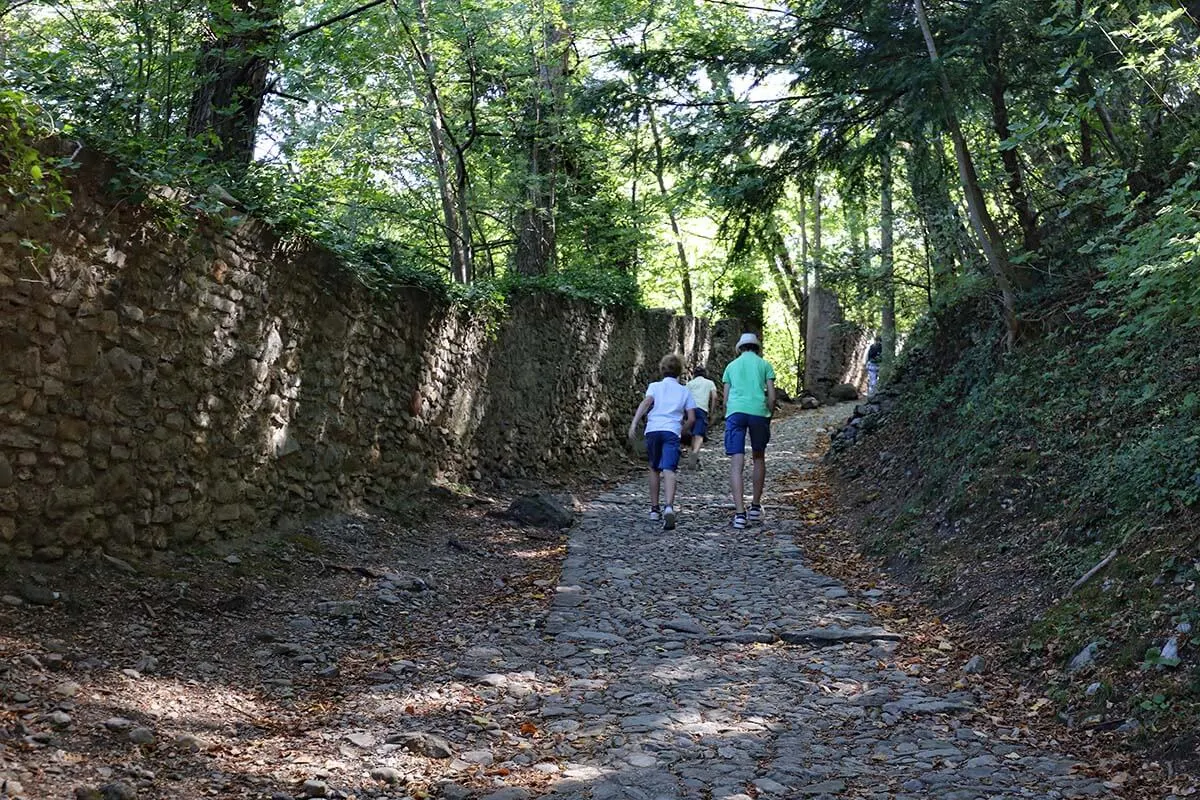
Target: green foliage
[745,300]
[603,288]
[28,179]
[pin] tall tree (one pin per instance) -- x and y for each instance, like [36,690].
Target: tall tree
[988,234]
[887,258]
[536,224]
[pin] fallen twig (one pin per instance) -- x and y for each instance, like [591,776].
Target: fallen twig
[1091,573]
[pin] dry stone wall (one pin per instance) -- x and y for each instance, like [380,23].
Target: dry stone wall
[159,388]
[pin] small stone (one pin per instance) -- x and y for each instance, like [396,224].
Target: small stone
[119,724]
[388,775]
[12,600]
[232,559]
[1092,688]
[37,595]
[118,791]
[339,608]
[835,634]
[481,757]
[59,719]
[314,788]
[67,689]
[88,793]
[11,787]
[974,665]
[1084,657]
[191,743]
[454,791]
[142,736]
[509,793]
[364,740]
[685,625]
[425,744]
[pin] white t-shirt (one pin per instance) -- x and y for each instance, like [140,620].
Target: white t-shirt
[702,390]
[671,399]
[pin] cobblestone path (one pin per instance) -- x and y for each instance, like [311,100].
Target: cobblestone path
[712,663]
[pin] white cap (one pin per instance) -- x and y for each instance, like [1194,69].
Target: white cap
[748,338]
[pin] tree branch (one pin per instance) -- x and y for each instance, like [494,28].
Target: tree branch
[334,20]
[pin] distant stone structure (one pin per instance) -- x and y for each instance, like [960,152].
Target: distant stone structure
[835,350]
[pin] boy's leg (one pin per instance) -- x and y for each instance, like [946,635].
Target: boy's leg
[760,435]
[654,456]
[655,478]
[668,479]
[735,448]
[737,482]
[758,476]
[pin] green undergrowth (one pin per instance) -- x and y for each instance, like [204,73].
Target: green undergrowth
[1039,462]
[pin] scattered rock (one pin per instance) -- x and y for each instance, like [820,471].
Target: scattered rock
[509,793]
[67,689]
[59,719]
[685,625]
[835,634]
[425,744]
[190,743]
[388,775]
[541,511]
[1084,657]
[974,665]
[142,736]
[339,608]
[118,790]
[364,740]
[37,595]
[1169,652]
[314,788]
[844,391]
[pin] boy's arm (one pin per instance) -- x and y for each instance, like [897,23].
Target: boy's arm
[771,396]
[725,399]
[646,403]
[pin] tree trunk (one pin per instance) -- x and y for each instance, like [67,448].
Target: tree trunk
[231,78]
[887,257]
[814,281]
[685,275]
[536,225]
[455,222]
[1026,215]
[981,219]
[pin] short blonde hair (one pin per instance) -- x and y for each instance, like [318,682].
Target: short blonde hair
[670,365]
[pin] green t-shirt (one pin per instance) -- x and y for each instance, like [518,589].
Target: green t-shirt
[747,377]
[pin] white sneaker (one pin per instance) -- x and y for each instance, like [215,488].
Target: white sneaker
[668,518]
[755,514]
[655,514]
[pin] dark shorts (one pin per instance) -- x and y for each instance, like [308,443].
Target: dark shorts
[662,451]
[700,426]
[736,426]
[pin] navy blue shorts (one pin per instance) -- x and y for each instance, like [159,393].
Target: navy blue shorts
[662,451]
[736,426]
[700,426]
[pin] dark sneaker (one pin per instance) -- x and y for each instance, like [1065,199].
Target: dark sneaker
[693,461]
[655,514]
[755,514]
[669,519]
[739,521]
